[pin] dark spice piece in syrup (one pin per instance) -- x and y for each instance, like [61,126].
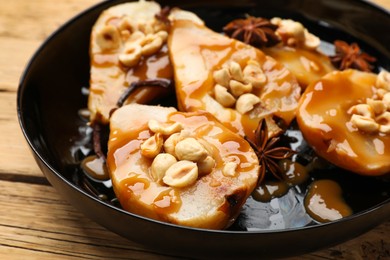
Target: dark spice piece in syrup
[267,153]
[351,57]
[256,31]
[163,15]
[164,83]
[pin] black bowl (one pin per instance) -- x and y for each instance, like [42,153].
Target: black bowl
[51,94]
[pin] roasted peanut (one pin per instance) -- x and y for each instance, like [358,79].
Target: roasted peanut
[254,74]
[126,25]
[205,166]
[229,169]
[364,124]
[223,96]
[108,38]
[383,80]
[236,71]
[160,165]
[386,100]
[151,44]
[246,103]
[190,149]
[362,109]
[152,146]
[384,122]
[181,174]
[131,55]
[222,77]
[311,41]
[378,106]
[237,88]
[146,28]
[170,143]
[164,128]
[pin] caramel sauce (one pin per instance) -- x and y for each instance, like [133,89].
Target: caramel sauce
[294,173]
[324,201]
[308,66]
[269,190]
[209,51]
[323,119]
[95,168]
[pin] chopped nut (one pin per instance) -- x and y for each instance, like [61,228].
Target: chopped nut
[170,143]
[163,35]
[385,129]
[364,124]
[160,165]
[229,169]
[293,33]
[165,129]
[190,149]
[152,146]
[312,42]
[146,28]
[126,25]
[380,93]
[151,44]
[237,88]
[289,29]
[383,119]
[131,56]
[254,74]
[363,110]
[246,103]
[384,122]
[236,71]
[181,174]
[206,166]
[223,96]
[136,36]
[222,77]
[377,106]
[386,100]
[108,38]
[383,80]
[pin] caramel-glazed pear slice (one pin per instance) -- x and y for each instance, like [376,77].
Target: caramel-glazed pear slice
[235,82]
[179,167]
[307,65]
[127,45]
[345,117]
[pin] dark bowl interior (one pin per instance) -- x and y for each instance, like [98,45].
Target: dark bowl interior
[51,94]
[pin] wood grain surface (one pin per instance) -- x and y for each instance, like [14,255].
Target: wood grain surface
[35,222]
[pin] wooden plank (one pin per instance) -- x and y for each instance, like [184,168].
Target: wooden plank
[15,156]
[37,223]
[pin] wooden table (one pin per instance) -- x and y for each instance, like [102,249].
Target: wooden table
[35,222]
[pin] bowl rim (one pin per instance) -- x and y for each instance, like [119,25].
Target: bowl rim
[20,96]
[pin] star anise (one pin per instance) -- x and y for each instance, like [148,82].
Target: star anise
[351,56]
[267,151]
[256,31]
